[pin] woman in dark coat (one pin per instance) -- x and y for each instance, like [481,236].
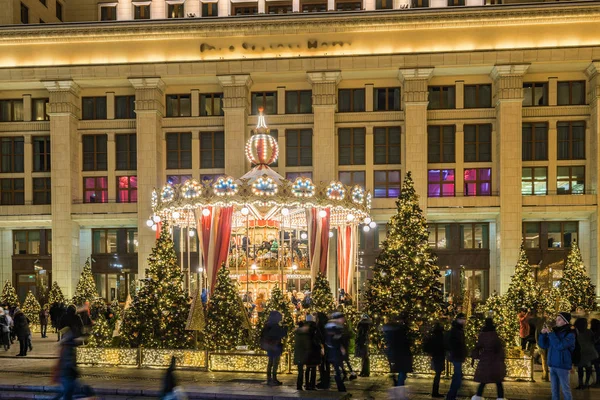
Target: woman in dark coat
[398,349]
[434,346]
[21,324]
[324,367]
[362,344]
[307,353]
[44,314]
[491,367]
[271,340]
[595,328]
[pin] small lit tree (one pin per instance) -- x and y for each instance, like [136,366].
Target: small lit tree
[101,335]
[575,285]
[56,295]
[321,296]
[9,295]
[32,308]
[277,302]
[86,287]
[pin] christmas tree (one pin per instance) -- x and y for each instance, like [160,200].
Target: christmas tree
[98,308]
[523,291]
[56,295]
[86,287]
[554,302]
[225,316]
[505,320]
[117,311]
[101,335]
[159,310]
[277,302]
[321,296]
[405,276]
[9,296]
[575,285]
[31,309]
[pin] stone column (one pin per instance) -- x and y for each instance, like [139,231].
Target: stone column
[236,93]
[63,110]
[593,96]
[27,108]
[414,103]
[508,100]
[324,99]
[111,159]
[149,111]
[28,169]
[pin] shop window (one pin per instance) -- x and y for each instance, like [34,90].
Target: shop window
[571,140]
[94,152]
[478,143]
[351,100]
[279,8]
[571,93]
[531,235]
[39,109]
[212,150]
[26,242]
[132,241]
[562,234]
[478,96]
[535,94]
[478,182]
[439,236]
[386,99]
[265,100]
[298,147]
[386,145]
[179,105]
[534,181]
[387,184]
[440,183]
[535,141]
[108,13]
[211,104]
[313,6]
[474,236]
[126,152]
[42,191]
[13,149]
[440,143]
[11,110]
[179,150]
[93,107]
[351,146]
[442,97]
[95,189]
[126,189]
[141,12]
[104,241]
[351,178]
[298,101]
[12,191]
[570,180]
[124,107]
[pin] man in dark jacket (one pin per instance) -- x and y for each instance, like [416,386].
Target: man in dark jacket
[324,367]
[457,352]
[560,343]
[271,340]
[336,350]
[21,324]
[434,346]
[362,344]
[398,350]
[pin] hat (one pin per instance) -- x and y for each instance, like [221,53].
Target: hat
[460,316]
[565,316]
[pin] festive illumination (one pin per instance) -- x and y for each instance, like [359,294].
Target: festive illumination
[225,186]
[350,217]
[9,295]
[285,212]
[366,228]
[245,211]
[576,286]
[367,220]
[101,335]
[303,187]
[369,200]
[322,298]
[156,219]
[277,302]
[330,234]
[358,194]
[336,191]
[56,295]
[31,309]
[176,214]
[168,194]
[206,212]
[372,224]
[154,199]
[154,228]
[264,186]
[322,213]
[107,357]
[262,149]
[243,362]
[149,223]
[86,287]
[185,358]
[191,189]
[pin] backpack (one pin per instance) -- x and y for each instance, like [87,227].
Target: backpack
[576,353]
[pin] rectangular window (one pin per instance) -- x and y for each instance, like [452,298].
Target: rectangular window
[41,153]
[474,236]
[442,97]
[345,5]
[384,4]
[179,105]
[211,104]
[126,189]
[571,140]
[178,179]
[351,146]
[351,178]
[570,180]
[244,9]
[292,176]
[12,154]
[12,192]
[440,183]
[440,143]
[11,110]
[571,93]
[59,11]
[298,102]
[104,241]
[210,9]
[420,3]
[478,181]
[535,141]
[439,236]
[265,100]
[126,151]
[531,235]
[279,8]
[478,96]
[535,94]
[387,184]
[455,3]
[386,145]
[43,2]
[24,14]
[298,147]
[209,177]
[42,191]
[534,181]
[26,242]
[94,107]
[313,6]
[108,13]
[175,11]
[124,107]
[478,143]
[94,152]
[39,109]
[179,150]
[386,99]
[141,12]
[132,241]
[351,100]
[95,189]
[562,234]
[212,150]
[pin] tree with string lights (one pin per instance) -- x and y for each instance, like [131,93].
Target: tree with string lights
[277,302]
[575,285]
[9,295]
[55,295]
[31,308]
[321,298]
[523,291]
[101,335]
[86,287]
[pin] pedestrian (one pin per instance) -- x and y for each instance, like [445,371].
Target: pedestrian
[325,366]
[315,353]
[60,312]
[434,346]
[301,349]
[44,314]
[491,368]
[11,326]
[539,322]
[560,343]
[4,330]
[524,328]
[170,389]
[348,343]
[362,344]
[397,348]
[307,354]
[260,305]
[22,331]
[335,344]
[595,328]
[54,307]
[456,349]
[66,372]
[588,353]
[84,314]
[71,320]
[271,341]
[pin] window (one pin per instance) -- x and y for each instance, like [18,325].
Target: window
[298,102]
[562,234]
[244,9]
[94,107]
[419,3]
[179,150]
[351,100]
[41,153]
[535,94]
[42,191]
[298,147]
[179,105]
[104,241]
[478,143]
[478,181]
[265,100]
[453,3]
[440,183]
[212,150]
[351,146]
[210,9]
[570,180]
[12,154]
[59,11]
[292,176]
[39,109]
[43,2]
[534,181]
[386,145]
[441,97]
[571,140]
[178,179]
[440,143]
[132,241]
[386,99]
[175,11]
[209,177]
[126,189]
[124,107]
[387,184]
[108,13]
[474,236]
[126,149]
[11,110]
[211,104]
[531,235]
[312,6]
[535,141]
[26,242]
[439,236]
[12,192]
[95,189]
[345,5]
[141,12]
[571,93]
[24,14]
[478,96]
[279,8]
[94,153]
[351,178]
[384,4]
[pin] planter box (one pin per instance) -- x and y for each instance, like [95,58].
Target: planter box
[161,358]
[243,361]
[100,356]
[517,369]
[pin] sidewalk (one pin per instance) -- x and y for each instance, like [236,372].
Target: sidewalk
[42,348]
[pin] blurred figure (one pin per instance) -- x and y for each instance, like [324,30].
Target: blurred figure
[491,368]
[21,324]
[260,305]
[324,367]
[44,314]
[271,341]
[307,353]
[398,350]
[4,330]
[434,346]
[595,328]
[585,340]
[456,349]
[524,328]
[170,389]
[335,344]
[362,344]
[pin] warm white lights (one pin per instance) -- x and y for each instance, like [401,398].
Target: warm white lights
[154,228]
[285,212]
[245,211]
[367,220]
[303,236]
[176,214]
[350,217]
[330,234]
[149,223]
[254,267]
[372,224]
[366,228]
[322,213]
[156,219]
[294,267]
[192,233]
[206,212]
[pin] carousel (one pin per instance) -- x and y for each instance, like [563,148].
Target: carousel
[266,229]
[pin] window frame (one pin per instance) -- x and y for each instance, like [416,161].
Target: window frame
[212,9]
[441,182]
[562,234]
[44,155]
[211,98]
[298,94]
[477,143]
[570,102]
[113,14]
[95,153]
[387,184]
[179,151]
[24,14]
[13,191]
[570,141]
[534,141]
[383,4]
[299,149]
[96,110]
[389,93]
[524,233]
[45,191]
[478,182]
[255,96]
[444,104]
[12,114]
[533,180]
[478,95]
[96,190]
[352,92]
[570,180]
[177,111]
[131,155]
[472,226]
[129,107]
[441,143]
[34,116]
[141,9]
[387,146]
[13,156]
[106,241]
[435,227]
[172,9]
[129,189]
[313,6]
[535,85]
[27,241]
[355,149]
[353,182]
[339,5]
[59,10]
[286,6]
[249,8]
[213,150]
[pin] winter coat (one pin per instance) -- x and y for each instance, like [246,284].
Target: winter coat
[334,342]
[362,338]
[307,347]
[67,363]
[43,317]
[455,343]
[314,356]
[72,321]
[490,352]
[271,339]
[398,347]
[348,341]
[588,350]
[21,324]
[434,346]
[560,344]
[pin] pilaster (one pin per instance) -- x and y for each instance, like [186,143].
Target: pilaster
[552,91]
[195,103]
[111,163]
[27,169]
[110,106]
[460,94]
[27,107]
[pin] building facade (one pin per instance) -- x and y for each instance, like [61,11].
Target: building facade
[494,109]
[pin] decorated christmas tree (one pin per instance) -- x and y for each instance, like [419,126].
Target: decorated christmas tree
[405,276]
[9,295]
[86,287]
[116,309]
[56,295]
[523,291]
[575,285]
[159,310]
[554,302]
[277,302]
[504,319]
[97,308]
[101,335]
[321,296]
[31,309]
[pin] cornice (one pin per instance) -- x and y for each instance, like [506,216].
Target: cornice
[556,111]
[31,126]
[462,114]
[372,117]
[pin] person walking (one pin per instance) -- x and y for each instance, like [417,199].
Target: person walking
[301,349]
[271,341]
[348,342]
[595,328]
[307,354]
[61,311]
[491,368]
[560,343]
[456,353]
[397,348]
[44,314]
[4,330]
[21,324]
[585,340]
[315,353]
[324,367]
[434,346]
[336,351]
[362,344]
[71,320]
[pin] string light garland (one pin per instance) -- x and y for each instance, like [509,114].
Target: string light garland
[264,186]
[336,191]
[303,187]
[225,186]
[191,189]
